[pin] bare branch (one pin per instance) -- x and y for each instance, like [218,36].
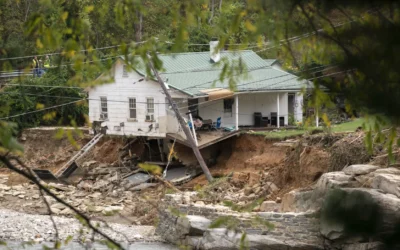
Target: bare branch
[87,220]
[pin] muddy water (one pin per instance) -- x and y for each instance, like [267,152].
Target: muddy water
[77,246]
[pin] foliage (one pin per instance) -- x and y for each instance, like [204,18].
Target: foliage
[356,211]
[17,100]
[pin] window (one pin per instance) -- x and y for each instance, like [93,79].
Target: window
[150,105]
[125,70]
[228,105]
[150,109]
[103,108]
[132,108]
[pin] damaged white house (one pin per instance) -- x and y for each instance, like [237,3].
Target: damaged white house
[135,105]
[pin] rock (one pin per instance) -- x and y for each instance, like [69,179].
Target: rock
[278,200]
[271,187]
[364,246]
[394,171]
[298,201]
[388,183]
[21,196]
[332,230]
[55,210]
[58,206]
[247,191]
[334,180]
[4,187]
[110,210]
[89,164]
[360,169]
[251,197]
[389,209]
[257,190]
[174,228]
[95,209]
[95,195]
[268,206]
[35,196]
[220,238]
[200,203]
[85,185]
[66,211]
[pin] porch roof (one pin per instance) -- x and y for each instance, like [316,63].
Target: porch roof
[193,72]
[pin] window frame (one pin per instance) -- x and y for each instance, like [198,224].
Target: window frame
[125,70]
[147,108]
[228,110]
[104,100]
[132,108]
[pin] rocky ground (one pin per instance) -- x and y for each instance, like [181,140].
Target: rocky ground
[17,226]
[120,205]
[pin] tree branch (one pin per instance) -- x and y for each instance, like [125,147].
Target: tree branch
[46,190]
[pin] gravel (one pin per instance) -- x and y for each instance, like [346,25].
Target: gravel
[21,227]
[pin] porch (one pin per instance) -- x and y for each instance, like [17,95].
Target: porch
[226,112]
[204,138]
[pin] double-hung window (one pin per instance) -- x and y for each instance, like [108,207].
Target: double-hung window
[150,109]
[124,70]
[132,108]
[103,108]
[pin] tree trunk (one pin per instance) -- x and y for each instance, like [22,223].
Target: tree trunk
[220,5]
[212,11]
[138,26]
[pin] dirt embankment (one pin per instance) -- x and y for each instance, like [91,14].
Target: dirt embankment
[44,151]
[252,160]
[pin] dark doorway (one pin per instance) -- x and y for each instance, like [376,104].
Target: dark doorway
[193,106]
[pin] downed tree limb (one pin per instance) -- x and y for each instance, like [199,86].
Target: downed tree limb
[166,183]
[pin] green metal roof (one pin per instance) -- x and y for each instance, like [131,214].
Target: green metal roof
[192,72]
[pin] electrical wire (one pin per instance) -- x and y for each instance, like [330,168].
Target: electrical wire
[40,110]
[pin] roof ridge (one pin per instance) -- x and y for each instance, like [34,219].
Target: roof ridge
[199,52]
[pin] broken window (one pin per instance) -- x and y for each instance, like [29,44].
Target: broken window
[132,108]
[103,108]
[125,70]
[228,106]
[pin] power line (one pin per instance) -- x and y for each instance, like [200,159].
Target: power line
[78,98]
[40,110]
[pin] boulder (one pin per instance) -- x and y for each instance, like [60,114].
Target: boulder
[175,228]
[271,187]
[359,169]
[58,206]
[331,230]
[364,246]
[388,183]
[268,206]
[334,180]
[389,209]
[299,201]
[222,239]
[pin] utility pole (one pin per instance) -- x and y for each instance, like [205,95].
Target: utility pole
[186,130]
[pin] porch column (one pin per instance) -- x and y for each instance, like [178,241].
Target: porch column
[277,111]
[237,112]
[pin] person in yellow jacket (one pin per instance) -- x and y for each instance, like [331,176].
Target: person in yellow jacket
[46,64]
[35,66]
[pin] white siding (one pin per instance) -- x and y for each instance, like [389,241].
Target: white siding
[248,104]
[118,94]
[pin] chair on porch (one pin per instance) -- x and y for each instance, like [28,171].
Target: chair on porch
[216,125]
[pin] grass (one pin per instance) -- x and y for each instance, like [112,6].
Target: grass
[281,134]
[348,126]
